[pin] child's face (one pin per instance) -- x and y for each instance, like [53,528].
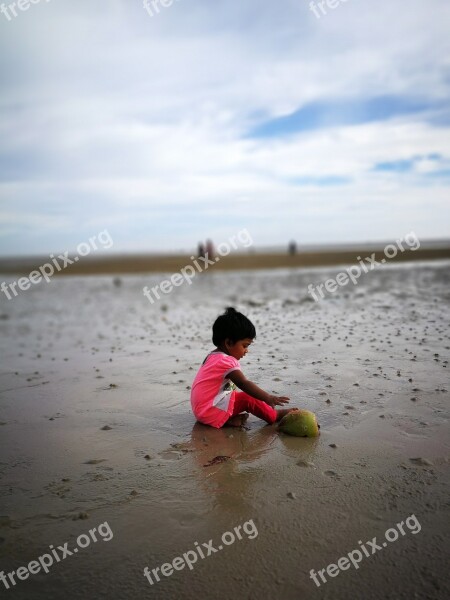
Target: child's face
[238,349]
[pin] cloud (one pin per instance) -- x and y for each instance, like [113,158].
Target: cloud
[210,117]
[428,168]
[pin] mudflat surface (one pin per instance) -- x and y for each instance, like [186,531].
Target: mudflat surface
[96,427]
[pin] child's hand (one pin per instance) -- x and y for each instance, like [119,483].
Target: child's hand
[277,400]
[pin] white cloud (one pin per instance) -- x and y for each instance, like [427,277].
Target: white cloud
[112,118]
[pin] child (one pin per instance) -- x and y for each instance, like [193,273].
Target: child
[213,397]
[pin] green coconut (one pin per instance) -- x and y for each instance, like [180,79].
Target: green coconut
[301,423]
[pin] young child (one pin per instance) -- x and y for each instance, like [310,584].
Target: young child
[214,398]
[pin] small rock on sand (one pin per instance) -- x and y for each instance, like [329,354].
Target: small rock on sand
[331,473]
[80,516]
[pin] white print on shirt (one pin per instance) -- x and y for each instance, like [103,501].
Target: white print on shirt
[222,400]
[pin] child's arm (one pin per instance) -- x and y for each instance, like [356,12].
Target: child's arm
[253,390]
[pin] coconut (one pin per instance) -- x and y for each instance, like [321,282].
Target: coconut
[301,423]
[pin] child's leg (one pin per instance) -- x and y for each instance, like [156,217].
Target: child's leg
[256,407]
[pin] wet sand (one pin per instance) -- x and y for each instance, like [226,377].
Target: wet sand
[82,353]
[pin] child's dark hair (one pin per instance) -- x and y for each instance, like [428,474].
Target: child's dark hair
[232,325]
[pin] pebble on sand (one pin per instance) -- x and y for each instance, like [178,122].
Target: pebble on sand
[80,516]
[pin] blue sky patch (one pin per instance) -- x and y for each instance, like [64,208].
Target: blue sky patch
[319,115]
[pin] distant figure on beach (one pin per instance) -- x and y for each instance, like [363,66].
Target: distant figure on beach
[210,249]
[292,248]
[214,398]
[200,250]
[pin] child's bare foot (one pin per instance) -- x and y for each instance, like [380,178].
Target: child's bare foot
[237,420]
[282,412]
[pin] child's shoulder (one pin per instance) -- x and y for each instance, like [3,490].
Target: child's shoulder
[220,358]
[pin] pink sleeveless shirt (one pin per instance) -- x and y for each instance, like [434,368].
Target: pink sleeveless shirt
[212,394]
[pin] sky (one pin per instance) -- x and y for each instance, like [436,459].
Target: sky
[204,117]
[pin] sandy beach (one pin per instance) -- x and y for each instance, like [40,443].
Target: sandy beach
[96,427]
